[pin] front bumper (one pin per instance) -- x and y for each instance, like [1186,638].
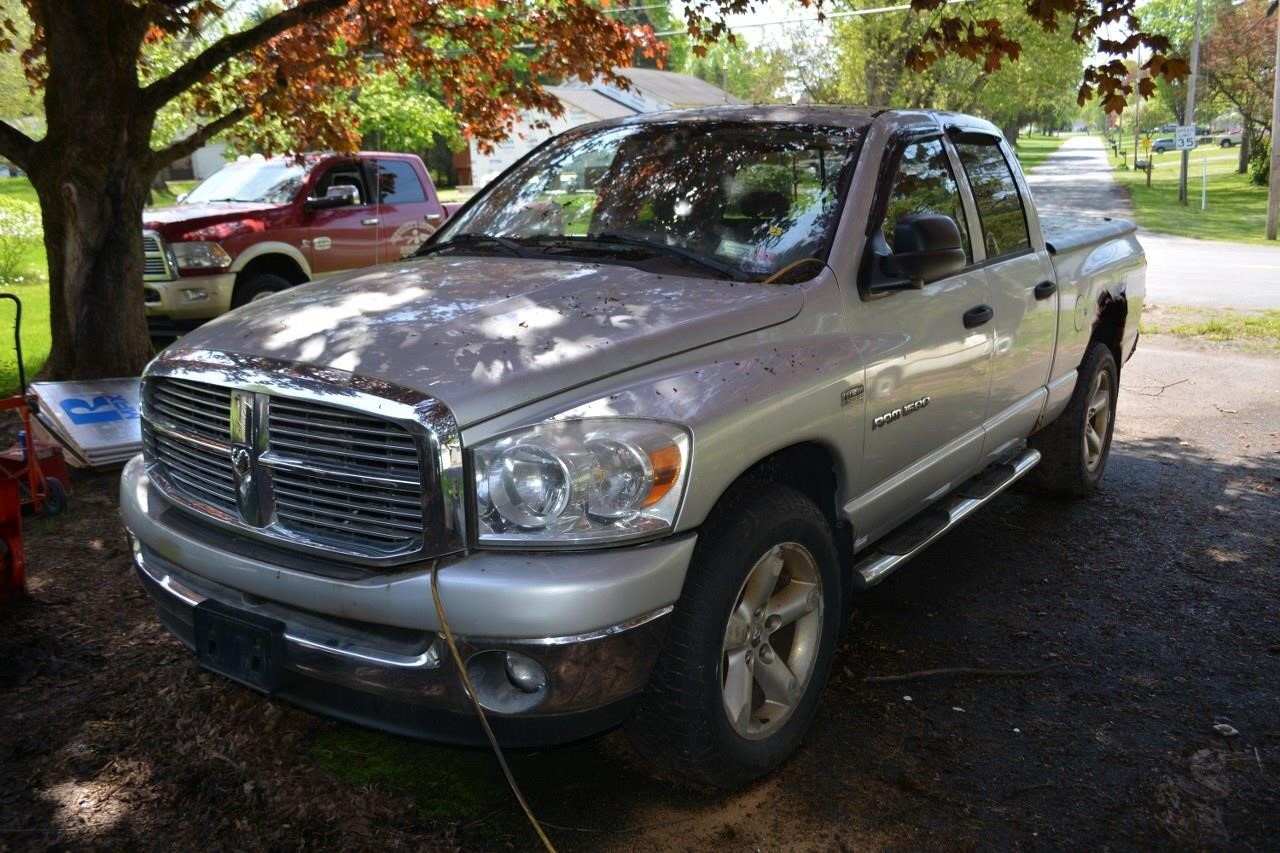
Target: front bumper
[369,650]
[171,300]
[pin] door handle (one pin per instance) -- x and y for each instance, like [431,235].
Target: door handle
[1045,289]
[976,316]
[434,217]
[372,220]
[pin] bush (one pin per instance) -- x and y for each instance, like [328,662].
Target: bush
[1260,163]
[19,227]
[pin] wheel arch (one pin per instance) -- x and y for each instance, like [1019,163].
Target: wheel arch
[812,468]
[1109,325]
[279,259]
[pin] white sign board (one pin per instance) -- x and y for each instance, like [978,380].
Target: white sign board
[1184,137]
[96,421]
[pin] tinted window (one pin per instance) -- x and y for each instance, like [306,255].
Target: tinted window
[924,184]
[1004,224]
[398,183]
[344,174]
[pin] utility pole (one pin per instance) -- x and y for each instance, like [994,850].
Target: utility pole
[1189,117]
[1273,200]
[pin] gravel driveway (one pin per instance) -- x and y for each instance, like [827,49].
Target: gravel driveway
[1121,630]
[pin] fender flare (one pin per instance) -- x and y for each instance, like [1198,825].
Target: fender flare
[272,247]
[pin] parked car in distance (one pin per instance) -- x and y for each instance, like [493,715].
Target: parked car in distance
[258,226]
[1231,138]
[644,419]
[1164,143]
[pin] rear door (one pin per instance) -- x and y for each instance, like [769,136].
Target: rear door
[927,373]
[343,238]
[408,210]
[1024,294]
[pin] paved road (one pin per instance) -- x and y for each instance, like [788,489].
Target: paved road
[1076,179]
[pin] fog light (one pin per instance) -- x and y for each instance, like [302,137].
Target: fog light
[195,294]
[524,673]
[507,682]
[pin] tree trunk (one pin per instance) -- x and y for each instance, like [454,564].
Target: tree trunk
[1246,148]
[1010,131]
[91,173]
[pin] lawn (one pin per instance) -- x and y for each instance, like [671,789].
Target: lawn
[1251,331]
[1034,150]
[1236,211]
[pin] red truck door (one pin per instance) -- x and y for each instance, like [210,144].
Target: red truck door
[343,238]
[408,209]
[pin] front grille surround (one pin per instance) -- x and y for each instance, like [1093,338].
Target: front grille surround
[155,258]
[344,467]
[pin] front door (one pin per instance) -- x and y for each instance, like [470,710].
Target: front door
[343,238]
[927,372]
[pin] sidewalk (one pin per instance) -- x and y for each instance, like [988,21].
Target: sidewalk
[1076,180]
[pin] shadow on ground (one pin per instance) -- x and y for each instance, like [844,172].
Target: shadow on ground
[1147,615]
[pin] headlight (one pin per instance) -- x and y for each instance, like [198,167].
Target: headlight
[200,256]
[586,482]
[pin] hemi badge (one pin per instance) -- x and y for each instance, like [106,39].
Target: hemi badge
[850,395]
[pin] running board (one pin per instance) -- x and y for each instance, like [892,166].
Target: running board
[921,531]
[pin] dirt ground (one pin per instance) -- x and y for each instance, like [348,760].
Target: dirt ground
[1128,626]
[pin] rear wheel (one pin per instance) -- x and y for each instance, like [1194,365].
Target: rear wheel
[738,681]
[1076,446]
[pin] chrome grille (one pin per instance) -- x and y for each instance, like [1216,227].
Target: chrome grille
[334,479]
[155,261]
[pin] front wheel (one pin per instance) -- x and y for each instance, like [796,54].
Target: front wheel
[257,287]
[1076,446]
[1226,143]
[751,640]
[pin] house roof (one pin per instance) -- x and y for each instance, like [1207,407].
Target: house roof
[591,102]
[676,90]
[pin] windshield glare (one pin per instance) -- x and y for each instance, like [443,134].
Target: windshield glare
[751,197]
[269,182]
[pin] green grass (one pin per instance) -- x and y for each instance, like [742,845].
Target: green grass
[445,782]
[35,332]
[1034,150]
[1236,212]
[1249,330]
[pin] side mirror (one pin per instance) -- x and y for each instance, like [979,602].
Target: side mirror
[342,195]
[928,248]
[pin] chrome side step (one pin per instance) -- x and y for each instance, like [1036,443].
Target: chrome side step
[921,531]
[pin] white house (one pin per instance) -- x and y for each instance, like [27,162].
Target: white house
[651,91]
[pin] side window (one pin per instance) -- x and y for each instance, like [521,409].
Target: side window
[344,174]
[398,183]
[924,184]
[1004,222]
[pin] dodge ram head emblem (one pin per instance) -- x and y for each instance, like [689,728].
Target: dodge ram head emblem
[244,432]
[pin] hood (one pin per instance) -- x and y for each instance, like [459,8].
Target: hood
[212,221]
[487,335]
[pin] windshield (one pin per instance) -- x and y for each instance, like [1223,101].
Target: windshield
[269,182]
[742,200]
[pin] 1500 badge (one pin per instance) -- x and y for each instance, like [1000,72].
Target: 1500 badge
[899,413]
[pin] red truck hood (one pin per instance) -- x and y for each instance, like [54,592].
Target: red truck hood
[488,335]
[211,221]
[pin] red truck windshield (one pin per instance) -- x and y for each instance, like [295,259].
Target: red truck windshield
[267,182]
[747,199]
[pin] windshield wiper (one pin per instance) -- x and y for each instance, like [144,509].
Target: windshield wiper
[678,251]
[469,239]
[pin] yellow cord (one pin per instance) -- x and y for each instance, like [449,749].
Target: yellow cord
[484,721]
[789,267]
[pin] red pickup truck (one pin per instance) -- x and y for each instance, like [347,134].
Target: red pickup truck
[258,226]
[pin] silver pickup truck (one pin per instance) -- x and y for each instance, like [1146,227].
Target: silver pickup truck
[651,410]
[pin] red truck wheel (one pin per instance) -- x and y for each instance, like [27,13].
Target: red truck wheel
[258,286]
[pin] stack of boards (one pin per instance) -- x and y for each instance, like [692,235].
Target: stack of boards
[96,422]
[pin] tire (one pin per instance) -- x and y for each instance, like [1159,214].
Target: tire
[257,286]
[1075,447]
[55,501]
[778,537]
[1226,143]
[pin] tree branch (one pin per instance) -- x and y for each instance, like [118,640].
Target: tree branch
[188,144]
[230,46]
[15,145]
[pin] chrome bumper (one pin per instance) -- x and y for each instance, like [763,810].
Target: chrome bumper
[170,298]
[368,650]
